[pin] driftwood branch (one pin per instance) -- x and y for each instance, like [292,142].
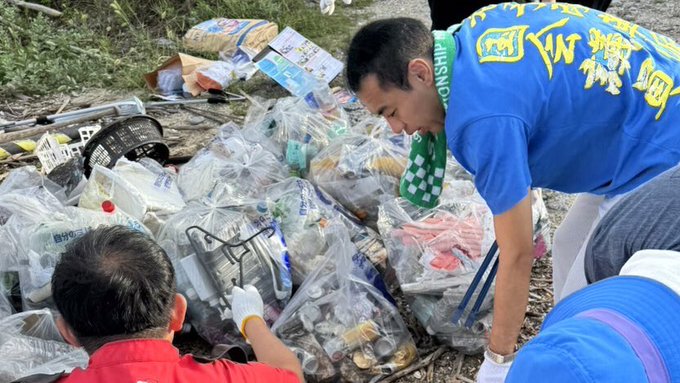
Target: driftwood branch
[36,7]
[416,366]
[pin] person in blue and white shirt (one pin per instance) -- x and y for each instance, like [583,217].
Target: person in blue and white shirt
[553,96]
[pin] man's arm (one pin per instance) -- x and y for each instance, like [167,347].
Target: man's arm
[247,308]
[269,349]
[514,236]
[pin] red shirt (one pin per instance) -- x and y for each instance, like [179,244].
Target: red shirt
[157,361]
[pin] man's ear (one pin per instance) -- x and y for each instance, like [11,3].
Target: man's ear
[66,331]
[420,71]
[179,311]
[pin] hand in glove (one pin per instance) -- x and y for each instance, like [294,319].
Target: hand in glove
[492,372]
[327,6]
[246,304]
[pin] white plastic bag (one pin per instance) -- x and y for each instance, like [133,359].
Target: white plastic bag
[233,159]
[106,185]
[156,185]
[26,199]
[30,344]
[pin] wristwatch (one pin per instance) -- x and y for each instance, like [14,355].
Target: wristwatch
[498,358]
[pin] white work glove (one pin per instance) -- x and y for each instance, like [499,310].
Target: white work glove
[492,372]
[327,6]
[246,304]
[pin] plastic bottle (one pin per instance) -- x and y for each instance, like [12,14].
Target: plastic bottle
[119,217]
[322,99]
[423,307]
[266,220]
[109,208]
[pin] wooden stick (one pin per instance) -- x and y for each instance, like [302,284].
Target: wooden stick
[68,99]
[460,358]
[193,127]
[15,160]
[464,379]
[36,7]
[41,129]
[416,366]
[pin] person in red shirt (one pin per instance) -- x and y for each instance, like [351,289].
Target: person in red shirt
[115,290]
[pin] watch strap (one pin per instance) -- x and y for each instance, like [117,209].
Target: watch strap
[498,358]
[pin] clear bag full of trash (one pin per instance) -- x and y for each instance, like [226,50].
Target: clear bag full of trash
[340,325]
[360,171]
[303,211]
[436,253]
[30,344]
[39,247]
[215,246]
[299,131]
[231,158]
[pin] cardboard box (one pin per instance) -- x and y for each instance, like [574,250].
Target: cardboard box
[188,65]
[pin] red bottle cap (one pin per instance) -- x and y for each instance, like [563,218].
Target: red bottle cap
[108,207]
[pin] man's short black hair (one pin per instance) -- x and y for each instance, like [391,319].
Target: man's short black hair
[114,283]
[384,48]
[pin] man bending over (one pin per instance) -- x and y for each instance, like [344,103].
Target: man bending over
[115,290]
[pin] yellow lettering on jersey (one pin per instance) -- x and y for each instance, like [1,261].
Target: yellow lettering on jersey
[554,48]
[538,6]
[480,14]
[501,44]
[520,8]
[620,25]
[610,59]
[657,85]
[665,46]
[569,9]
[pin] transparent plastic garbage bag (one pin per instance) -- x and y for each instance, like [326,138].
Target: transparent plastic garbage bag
[40,246]
[360,171]
[298,130]
[339,325]
[30,344]
[303,210]
[233,159]
[435,254]
[207,269]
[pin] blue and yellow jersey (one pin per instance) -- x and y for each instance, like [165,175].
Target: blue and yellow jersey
[563,97]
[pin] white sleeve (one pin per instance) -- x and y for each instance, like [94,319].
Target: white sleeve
[662,266]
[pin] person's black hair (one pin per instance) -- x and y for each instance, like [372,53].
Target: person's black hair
[385,48]
[114,283]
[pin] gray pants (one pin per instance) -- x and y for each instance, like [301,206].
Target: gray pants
[648,218]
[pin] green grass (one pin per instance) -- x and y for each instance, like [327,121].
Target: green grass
[112,43]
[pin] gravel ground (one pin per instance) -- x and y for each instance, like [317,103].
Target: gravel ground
[449,366]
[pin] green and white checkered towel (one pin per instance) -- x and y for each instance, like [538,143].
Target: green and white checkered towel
[422,182]
[423,179]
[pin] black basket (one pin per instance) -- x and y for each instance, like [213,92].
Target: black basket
[134,137]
